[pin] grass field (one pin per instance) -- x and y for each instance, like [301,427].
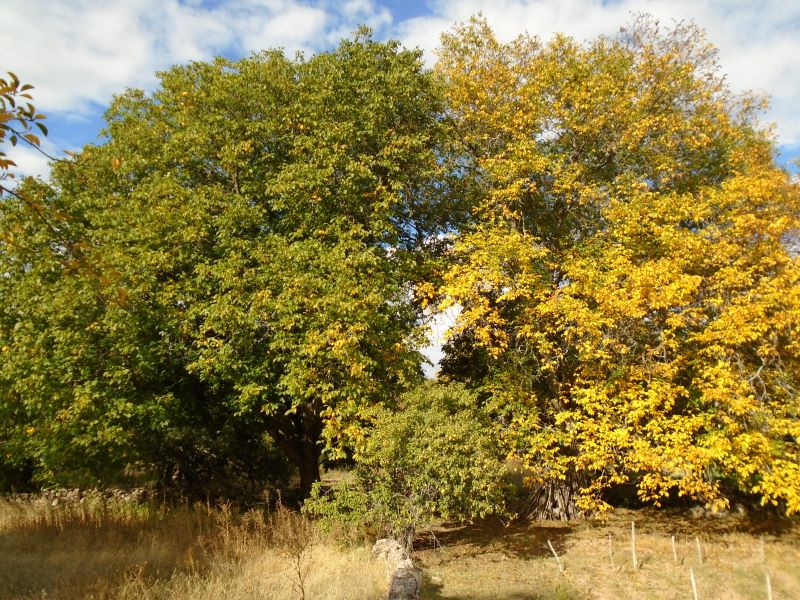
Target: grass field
[515,562]
[128,551]
[110,549]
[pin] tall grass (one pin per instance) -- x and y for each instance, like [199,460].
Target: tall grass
[114,549]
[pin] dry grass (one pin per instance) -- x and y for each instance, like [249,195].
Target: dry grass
[121,550]
[515,562]
[128,551]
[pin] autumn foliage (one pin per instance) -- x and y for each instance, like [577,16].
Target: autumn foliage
[242,268]
[628,270]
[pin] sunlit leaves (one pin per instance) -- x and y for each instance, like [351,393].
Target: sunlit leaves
[250,234]
[18,117]
[628,269]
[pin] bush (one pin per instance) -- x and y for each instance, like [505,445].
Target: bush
[436,456]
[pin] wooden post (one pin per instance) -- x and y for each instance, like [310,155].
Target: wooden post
[699,550]
[674,551]
[633,545]
[611,551]
[558,560]
[769,587]
[694,584]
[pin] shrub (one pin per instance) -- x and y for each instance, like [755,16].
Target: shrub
[435,456]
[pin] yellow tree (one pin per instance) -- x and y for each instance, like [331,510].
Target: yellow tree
[627,270]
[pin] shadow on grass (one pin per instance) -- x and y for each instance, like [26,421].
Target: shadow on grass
[491,543]
[493,560]
[518,539]
[562,591]
[694,522]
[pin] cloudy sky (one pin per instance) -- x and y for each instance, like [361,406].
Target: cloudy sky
[79,53]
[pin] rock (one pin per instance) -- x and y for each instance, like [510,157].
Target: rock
[697,512]
[404,578]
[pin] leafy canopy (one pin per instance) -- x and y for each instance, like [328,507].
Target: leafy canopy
[233,262]
[431,458]
[627,274]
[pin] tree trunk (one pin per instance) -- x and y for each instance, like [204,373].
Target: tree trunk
[309,475]
[298,436]
[554,500]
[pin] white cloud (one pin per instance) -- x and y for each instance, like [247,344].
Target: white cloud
[79,53]
[30,162]
[295,28]
[759,42]
[438,326]
[353,13]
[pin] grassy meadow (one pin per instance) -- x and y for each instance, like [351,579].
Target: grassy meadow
[516,563]
[129,551]
[115,549]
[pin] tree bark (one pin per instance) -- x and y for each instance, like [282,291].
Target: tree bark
[309,475]
[298,436]
[552,501]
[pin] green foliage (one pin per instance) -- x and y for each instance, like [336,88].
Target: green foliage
[233,262]
[237,269]
[435,456]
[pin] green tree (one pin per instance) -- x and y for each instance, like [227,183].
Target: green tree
[18,117]
[237,257]
[627,271]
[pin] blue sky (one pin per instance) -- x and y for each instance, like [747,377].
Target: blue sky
[79,53]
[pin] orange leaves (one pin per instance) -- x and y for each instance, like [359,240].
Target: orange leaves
[17,118]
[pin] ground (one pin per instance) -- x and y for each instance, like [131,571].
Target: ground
[115,549]
[514,561]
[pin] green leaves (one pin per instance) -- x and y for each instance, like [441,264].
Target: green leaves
[436,456]
[248,236]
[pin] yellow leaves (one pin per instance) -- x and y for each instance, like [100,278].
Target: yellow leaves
[426,293]
[628,261]
[501,268]
[780,485]
[357,369]
[211,342]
